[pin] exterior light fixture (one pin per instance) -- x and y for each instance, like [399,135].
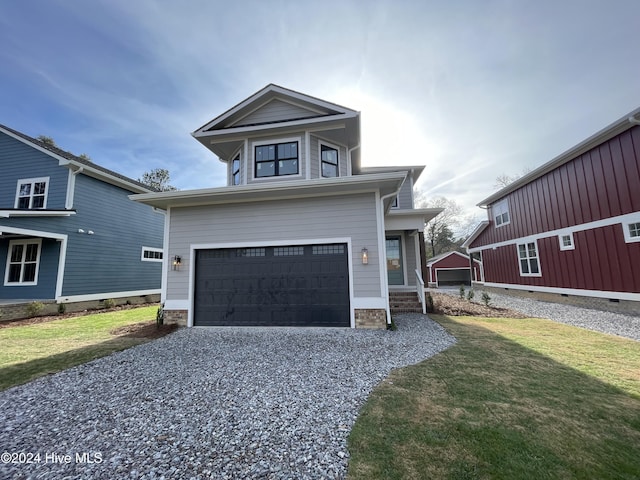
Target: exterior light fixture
[80,230]
[177,261]
[365,256]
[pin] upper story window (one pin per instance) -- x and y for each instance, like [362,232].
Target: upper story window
[501,213]
[22,262]
[631,232]
[235,171]
[529,261]
[32,193]
[328,161]
[276,160]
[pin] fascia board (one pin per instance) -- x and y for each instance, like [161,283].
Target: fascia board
[273,191]
[476,232]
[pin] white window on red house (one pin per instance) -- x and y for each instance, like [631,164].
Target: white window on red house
[566,241]
[500,213]
[528,259]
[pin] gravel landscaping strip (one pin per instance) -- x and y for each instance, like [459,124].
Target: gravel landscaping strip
[591,319]
[209,403]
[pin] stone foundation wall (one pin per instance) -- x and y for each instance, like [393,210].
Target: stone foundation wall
[17,311]
[627,307]
[178,317]
[372,318]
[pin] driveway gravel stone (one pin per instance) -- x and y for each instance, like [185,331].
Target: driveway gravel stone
[209,403]
[591,319]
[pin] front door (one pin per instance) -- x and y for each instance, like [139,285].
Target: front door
[395,272]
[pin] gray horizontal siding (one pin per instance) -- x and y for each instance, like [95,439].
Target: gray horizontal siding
[275,111]
[316,218]
[405,197]
[20,161]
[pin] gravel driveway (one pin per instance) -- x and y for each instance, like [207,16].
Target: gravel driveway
[209,403]
[591,319]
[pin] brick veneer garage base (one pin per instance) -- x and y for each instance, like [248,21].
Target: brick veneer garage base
[372,318]
[178,317]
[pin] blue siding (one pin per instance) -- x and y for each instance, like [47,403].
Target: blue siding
[48,271]
[21,161]
[107,261]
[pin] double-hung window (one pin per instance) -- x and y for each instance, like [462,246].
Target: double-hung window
[529,261]
[235,170]
[276,160]
[328,161]
[501,213]
[32,193]
[22,262]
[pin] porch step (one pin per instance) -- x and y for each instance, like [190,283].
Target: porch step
[404,302]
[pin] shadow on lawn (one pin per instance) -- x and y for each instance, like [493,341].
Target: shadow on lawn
[489,407]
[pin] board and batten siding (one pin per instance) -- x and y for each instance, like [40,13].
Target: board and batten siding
[20,161]
[275,111]
[303,219]
[601,183]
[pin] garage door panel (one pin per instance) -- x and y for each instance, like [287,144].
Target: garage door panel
[288,286]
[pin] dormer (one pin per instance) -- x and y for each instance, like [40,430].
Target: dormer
[278,134]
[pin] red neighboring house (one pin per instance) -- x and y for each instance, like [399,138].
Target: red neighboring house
[572,226]
[452,268]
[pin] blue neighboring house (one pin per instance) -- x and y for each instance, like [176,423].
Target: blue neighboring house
[68,231]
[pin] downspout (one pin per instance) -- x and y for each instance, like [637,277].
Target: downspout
[383,256]
[349,166]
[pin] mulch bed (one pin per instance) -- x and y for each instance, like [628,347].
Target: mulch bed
[455,306]
[144,330]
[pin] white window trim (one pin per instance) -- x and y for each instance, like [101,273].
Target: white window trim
[151,249]
[26,241]
[537,257]
[397,203]
[273,141]
[237,154]
[571,246]
[334,147]
[500,207]
[33,181]
[626,228]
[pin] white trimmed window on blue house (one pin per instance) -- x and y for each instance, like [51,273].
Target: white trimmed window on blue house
[31,193]
[150,254]
[23,261]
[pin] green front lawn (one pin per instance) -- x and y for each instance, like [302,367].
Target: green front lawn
[513,399]
[31,351]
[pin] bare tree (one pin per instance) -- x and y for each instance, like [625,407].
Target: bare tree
[440,232]
[503,180]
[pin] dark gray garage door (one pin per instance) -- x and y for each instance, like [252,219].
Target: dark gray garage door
[453,277]
[273,286]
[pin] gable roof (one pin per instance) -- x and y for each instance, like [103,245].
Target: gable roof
[89,168]
[442,256]
[616,128]
[277,110]
[476,232]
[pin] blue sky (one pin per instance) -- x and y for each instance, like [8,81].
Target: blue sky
[472,89]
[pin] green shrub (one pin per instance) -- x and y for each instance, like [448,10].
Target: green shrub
[462,292]
[62,308]
[470,295]
[34,308]
[109,303]
[486,298]
[392,326]
[159,317]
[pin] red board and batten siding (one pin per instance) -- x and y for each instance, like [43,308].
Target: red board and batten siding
[599,184]
[452,262]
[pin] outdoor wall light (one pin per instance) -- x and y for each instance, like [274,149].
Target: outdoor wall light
[365,256]
[177,261]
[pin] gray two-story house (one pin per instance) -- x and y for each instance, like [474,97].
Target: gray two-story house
[302,235]
[68,230]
